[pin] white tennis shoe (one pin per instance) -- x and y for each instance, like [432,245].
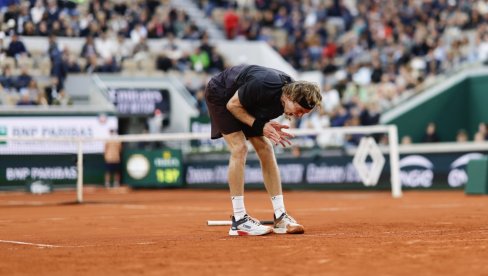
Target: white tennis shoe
[248,226]
[285,224]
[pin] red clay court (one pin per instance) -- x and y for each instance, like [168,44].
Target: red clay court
[164,232]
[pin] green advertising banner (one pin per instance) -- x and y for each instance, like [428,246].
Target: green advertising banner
[58,170]
[152,169]
[417,171]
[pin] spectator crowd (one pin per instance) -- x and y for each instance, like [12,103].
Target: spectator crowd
[113,32]
[372,53]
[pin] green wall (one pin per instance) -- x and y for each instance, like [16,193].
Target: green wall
[478,103]
[461,106]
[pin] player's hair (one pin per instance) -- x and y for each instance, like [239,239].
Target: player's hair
[307,94]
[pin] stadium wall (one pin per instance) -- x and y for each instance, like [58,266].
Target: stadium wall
[422,167]
[457,102]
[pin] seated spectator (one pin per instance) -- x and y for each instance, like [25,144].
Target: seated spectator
[16,47]
[430,135]
[330,98]
[199,60]
[370,114]
[217,63]
[29,29]
[31,89]
[231,21]
[7,79]
[141,50]
[339,116]
[156,27]
[483,130]
[42,29]
[122,48]
[105,46]
[461,136]
[138,34]
[70,62]
[170,55]
[88,49]
[191,32]
[406,140]
[328,66]
[25,100]
[24,79]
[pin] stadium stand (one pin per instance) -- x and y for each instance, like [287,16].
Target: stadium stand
[372,54]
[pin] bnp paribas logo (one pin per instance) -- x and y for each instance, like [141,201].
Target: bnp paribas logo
[3,133]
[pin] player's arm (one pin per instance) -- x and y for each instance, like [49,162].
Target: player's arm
[237,109]
[271,130]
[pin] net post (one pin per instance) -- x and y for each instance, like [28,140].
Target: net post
[396,185]
[79,182]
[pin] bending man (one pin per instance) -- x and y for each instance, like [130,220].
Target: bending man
[242,101]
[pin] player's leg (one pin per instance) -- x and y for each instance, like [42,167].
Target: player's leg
[269,166]
[284,223]
[236,142]
[117,176]
[242,224]
[107,175]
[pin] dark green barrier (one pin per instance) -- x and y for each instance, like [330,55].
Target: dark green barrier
[164,169]
[152,169]
[426,171]
[478,177]
[60,170]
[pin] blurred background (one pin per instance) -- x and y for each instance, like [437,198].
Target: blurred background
[100,68]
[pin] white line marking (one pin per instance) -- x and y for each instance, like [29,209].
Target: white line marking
[34,244]
[433,206]
[19,202]
[73,246]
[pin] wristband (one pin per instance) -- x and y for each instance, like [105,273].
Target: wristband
[258,126]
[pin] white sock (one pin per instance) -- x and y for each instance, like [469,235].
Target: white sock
[278,205]
[239,208]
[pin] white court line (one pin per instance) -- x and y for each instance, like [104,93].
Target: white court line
[433,206]
[453,232]
[33,244]
[71,246]
[19,202]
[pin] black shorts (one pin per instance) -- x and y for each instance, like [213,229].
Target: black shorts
[221,119]
[112,167]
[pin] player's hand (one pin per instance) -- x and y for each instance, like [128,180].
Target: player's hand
[274,131]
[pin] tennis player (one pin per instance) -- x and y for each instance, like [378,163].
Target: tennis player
[242,101]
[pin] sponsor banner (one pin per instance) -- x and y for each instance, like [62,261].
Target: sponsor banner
[152,169]
[54,126]
[425,171]
[337,172]
[442,170]
[60,169]
[16,170]
[216,173]
[139,101]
